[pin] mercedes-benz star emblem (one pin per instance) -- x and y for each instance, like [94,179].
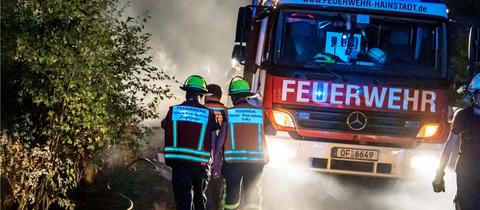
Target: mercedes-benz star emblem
[357,121]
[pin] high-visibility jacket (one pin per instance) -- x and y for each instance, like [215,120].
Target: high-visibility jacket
[245,141]
[188,131]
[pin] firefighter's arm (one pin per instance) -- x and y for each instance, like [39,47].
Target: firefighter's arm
[268,126]
[448,149]
[220,141]
[213,140]
[221,137]
[164,123]
[166,119]
[451,143]
[217,153]
[450,146]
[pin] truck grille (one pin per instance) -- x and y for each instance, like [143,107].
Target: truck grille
[352,166]
[348,165]
[380,123]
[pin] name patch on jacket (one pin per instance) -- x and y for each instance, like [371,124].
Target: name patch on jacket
[245,115]
[190,114]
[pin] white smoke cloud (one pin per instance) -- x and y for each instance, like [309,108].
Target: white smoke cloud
[190,37]
[292,188]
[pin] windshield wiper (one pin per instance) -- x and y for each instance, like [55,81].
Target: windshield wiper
[324,68]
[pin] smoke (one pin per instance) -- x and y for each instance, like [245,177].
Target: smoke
[193,37]
[190,37]
[293,188]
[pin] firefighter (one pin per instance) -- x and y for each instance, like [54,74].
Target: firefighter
[466,128]
[244,149]
[190,129]
[214,189]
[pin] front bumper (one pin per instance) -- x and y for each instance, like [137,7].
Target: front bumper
[316,155]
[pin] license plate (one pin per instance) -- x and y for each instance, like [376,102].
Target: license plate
[356,154]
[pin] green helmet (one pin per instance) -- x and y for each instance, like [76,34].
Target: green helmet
[240,87]
[195,84]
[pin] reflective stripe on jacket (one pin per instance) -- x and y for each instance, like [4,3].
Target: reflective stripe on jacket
[245,141]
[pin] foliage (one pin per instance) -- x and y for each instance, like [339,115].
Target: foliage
[75,79]
[464,13]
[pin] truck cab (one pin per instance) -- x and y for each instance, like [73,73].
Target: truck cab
[355,86]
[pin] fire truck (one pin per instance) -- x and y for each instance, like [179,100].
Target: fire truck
[354,86]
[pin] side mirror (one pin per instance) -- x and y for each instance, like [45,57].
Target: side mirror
[244,19]
[474,50]
[239,53]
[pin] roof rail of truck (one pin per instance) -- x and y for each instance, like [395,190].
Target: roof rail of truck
[435,8]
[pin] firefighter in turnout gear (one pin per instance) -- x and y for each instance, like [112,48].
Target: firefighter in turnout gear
[214,189]
[466,128]
[190,130]
[244,149]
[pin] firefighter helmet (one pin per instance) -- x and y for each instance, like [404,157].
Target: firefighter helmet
[474,84]
[195,84]
[377,55]
[239,87]
[474,89]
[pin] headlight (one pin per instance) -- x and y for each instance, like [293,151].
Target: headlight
[424,162]
[279,151]
[428,130]
[283,119]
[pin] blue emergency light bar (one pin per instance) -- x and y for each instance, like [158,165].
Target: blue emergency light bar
[423,7]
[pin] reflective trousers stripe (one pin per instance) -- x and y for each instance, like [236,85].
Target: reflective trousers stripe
[223,205]
[230,206]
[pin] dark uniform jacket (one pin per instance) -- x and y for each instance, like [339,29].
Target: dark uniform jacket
[467,125]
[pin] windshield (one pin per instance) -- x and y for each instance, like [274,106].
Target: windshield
[360,42]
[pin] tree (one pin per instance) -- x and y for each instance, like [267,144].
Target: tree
[76,78]
[464,13]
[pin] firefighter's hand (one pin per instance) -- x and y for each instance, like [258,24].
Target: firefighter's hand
[438,183]
[217,168]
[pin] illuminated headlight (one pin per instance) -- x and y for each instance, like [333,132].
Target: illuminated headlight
[283,119]
[279,151]
[425,162]
[428,130]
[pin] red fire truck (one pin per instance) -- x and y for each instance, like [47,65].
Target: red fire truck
[355,86]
